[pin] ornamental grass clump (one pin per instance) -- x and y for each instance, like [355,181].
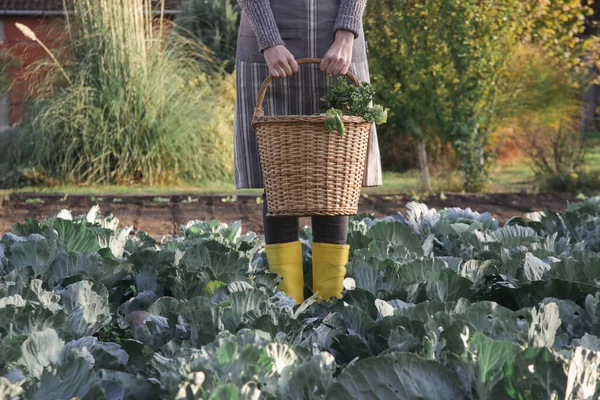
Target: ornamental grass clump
[128,103]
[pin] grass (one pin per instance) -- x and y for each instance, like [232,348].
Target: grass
[107,190]
[516,177]
[127,103]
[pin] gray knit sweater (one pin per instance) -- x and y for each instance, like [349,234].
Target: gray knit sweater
[263,23]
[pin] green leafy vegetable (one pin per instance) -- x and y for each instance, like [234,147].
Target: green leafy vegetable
[346,99]
[438,304]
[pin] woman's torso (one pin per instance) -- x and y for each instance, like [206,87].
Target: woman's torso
[306,27]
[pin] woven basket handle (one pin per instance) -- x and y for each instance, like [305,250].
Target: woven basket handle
[259,111]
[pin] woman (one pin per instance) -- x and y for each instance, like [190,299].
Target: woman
[273,34]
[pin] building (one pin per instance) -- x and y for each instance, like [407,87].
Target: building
[45,18]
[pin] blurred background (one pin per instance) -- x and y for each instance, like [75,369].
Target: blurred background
[132,97]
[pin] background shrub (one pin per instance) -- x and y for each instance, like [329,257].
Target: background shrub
[215,23]
[124,107]
[444,69]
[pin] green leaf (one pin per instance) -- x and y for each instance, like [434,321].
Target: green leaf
[571,315]
[378,277]
[402,340]
[139,354]
[92,266]
[212,286]
[496,321]
[86,304]
[28,228]
[535,373]
[10,350]
[114,240]
[40,350]
[443,284]
[528,295]
[583,373]
[3,259]
[121,385]
[204,319]
[32,251]
[75,236]
[356,320]
[490,357]
[584,271]
[396,376]
[246,306]
[534,268]
[227,353]
[424,311]
[513,236]
[363,299]
[212,230]
[106,355]
[349,347]
[146,279]
[589,342]
[74,377]
[544,325]
[226,391]
[396,234]
[21,317]
[476,271]
[218,262]
[36,292]
[312,379]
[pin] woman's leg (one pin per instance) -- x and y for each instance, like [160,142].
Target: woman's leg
[330,255]
[279,229]
[284,252]
[332,230]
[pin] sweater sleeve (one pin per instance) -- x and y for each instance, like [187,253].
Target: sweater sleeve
[263,23]
[350,16]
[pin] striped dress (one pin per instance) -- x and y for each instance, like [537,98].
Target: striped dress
[307,29]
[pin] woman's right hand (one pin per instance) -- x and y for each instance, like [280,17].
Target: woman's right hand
[280,61]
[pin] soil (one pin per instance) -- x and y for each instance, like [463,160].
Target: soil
[163,215]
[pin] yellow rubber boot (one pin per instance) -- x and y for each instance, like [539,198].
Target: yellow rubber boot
[285,259]
[329,269]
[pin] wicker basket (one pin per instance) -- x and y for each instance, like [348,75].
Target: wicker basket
[307,170]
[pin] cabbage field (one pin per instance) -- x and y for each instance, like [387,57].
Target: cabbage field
[437,305]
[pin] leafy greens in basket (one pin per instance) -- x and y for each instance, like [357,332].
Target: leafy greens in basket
[346,99]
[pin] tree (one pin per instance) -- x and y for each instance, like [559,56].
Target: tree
[406,57]
[440,66]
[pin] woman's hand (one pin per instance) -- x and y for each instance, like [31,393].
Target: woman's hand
[338,58]
[280,61]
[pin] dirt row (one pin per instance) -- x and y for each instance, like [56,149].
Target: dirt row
[163,215]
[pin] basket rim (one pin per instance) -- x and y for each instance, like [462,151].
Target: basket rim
[313,119]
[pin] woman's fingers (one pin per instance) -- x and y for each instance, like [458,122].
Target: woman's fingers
[281,61]
[334,65]
[285,66]
[325,62]
[278,72]
[293,64]
[341,68]
[337,67]
[273,72]
[339,56]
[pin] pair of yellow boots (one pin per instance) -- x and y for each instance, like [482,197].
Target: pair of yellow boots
[329,268]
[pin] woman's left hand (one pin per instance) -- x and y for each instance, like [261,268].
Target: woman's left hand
[338,58]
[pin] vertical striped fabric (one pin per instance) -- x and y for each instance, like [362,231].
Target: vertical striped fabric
[307,29]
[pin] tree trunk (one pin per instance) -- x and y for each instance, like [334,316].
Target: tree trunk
[588,114]
[423,165]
